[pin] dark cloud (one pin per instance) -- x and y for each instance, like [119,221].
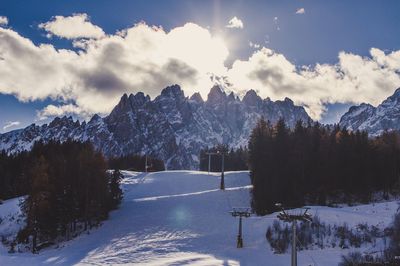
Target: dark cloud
[181,70]
[103,80]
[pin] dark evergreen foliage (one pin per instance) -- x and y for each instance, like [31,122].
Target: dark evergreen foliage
[136,162]
[311,164]
[13,178]
[234,160]
[67,190]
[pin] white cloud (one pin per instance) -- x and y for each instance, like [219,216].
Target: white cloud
[301,11]
[10,124]
[72,27]
[145,58]
[68,109]
[3,20]
[140,58]
[235,23]
[353,79]
[276,22]
[254,45]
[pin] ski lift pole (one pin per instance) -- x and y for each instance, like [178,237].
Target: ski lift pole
[239,237]
[209,163]
[293,218]
[294,250]
[222,186]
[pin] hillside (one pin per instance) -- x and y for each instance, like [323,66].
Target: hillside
[181,218]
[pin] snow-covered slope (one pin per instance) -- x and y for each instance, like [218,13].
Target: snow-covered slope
[375,120]
[181,218]
[171,127]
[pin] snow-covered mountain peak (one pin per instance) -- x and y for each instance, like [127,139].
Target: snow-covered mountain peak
[251,98]
[138,99]
[196,97]
[95,119]
[375,120]
[173,91]
[288,101]
[216,95]
[171,127]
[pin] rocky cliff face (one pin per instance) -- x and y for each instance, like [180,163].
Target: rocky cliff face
[171,127]
[374,120]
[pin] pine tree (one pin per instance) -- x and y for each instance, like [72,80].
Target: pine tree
[116,193]
[37,205]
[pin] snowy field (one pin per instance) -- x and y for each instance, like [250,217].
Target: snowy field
[182,218]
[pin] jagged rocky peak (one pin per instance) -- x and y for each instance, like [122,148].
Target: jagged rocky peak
[173,91]
[232,97]
[216,95]
[251,98]
[395,98]
[288,100]
[397,92]
[375,120]
[95,119]
[123,103]
[361,107]
[63,121]
[139,99]
[170,127]
[196,97]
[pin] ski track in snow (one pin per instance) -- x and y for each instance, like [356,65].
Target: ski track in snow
[182,218]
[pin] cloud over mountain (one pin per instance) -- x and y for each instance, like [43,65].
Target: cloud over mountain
[11,124]
[92,77]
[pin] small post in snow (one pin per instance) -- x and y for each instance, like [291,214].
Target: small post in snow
[209,160]
[240,212]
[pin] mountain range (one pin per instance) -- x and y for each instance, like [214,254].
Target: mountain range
[172,127]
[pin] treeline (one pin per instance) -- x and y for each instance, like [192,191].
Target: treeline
[234,159]
[136,162]
[15,182]
[13,179]
[311,164]
[67,190]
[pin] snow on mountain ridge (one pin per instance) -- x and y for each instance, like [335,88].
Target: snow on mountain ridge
[374,120]
[172,127]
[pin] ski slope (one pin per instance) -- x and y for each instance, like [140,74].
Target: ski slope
[182,218]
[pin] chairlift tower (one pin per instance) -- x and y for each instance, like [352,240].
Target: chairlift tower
[222,153]
[240,212]
[293,218]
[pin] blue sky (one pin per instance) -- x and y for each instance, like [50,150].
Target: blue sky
[317,35]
